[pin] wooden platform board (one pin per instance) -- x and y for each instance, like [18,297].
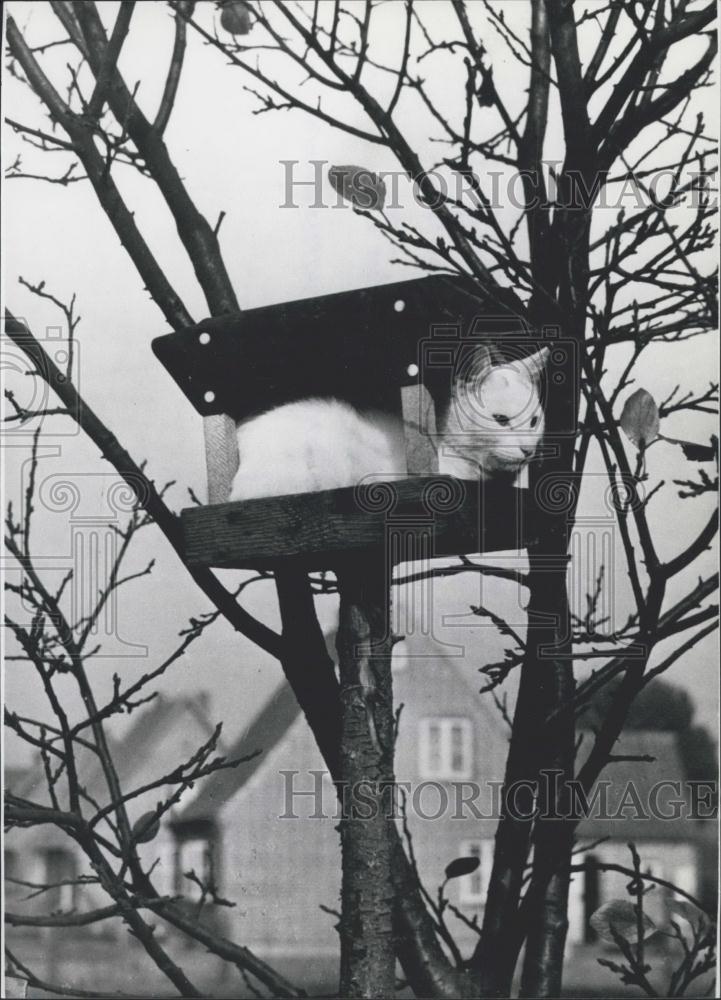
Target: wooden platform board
[416,518]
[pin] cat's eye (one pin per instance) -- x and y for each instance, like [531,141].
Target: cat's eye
[501,419]
[534,421]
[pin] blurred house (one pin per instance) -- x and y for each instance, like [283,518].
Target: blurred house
[271,827]
[161,737]
[264,834]
[641,797]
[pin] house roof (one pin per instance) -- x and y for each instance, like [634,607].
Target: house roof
[274,720]
[264,732]
[272,723]
[131,752]
[628,787]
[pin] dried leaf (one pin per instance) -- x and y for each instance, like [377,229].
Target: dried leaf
[619,915]
[683,909]
[462,866]
[235,17]
[146,828]
[639,419]
[358,185]
[700,452]
[486,93]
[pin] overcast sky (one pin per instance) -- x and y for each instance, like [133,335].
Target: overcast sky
[231,161]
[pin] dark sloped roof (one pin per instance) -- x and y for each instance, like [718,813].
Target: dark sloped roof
[630,782]
[132,752]
[266,730]
[152,726]
[274,720]
[432,665]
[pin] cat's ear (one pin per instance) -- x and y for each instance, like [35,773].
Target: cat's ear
[535,363]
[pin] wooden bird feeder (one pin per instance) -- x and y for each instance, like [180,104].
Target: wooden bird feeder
[396,347]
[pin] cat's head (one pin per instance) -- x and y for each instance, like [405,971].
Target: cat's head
[496,416]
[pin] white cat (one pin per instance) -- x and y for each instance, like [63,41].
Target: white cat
[492,427]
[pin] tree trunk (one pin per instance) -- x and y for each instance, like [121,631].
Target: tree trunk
[368,734]
[311,674]
[553,838]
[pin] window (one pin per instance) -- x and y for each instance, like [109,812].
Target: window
[591,896]
[400,656]
[473,887]
[194,855]
[446,748]
[61,874]
[164,870]
[684,876]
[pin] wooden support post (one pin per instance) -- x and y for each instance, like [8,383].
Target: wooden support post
[419,420]
[368,733]
[221,455]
